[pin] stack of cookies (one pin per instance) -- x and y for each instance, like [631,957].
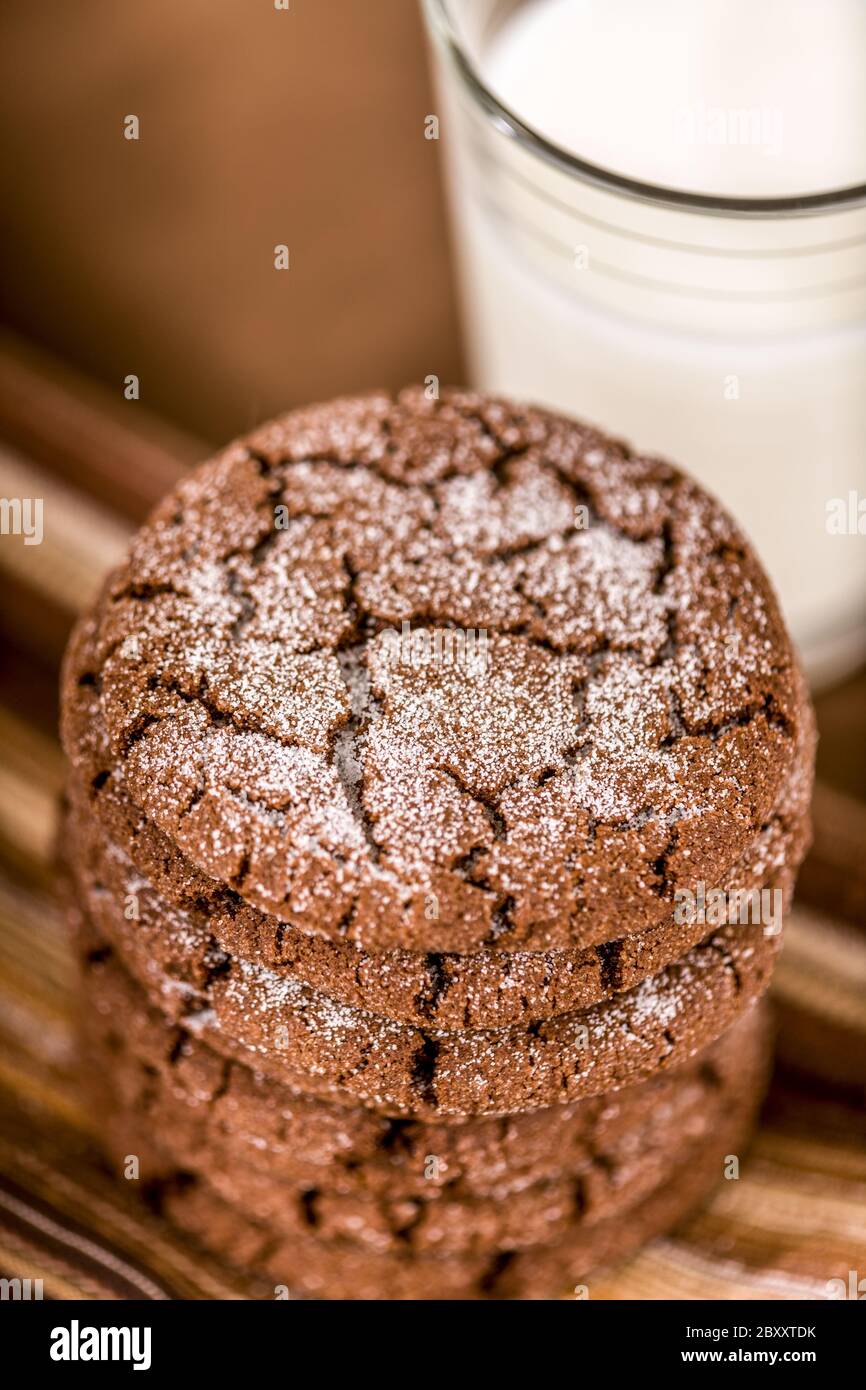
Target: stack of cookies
[440,770]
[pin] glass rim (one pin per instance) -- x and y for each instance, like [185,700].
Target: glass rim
[510,125]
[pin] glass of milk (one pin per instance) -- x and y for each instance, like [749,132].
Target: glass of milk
[659,215]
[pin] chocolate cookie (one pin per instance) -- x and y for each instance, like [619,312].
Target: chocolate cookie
[294,1034]
[339,1270]
[447,1225]
[488,989]
[445,1220]
[305,1040]
[313,1142]
[627,724]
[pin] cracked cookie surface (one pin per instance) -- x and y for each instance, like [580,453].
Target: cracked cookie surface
[307,1041]
[204,1104]
[340,1270]
[445,1221]
[633,721]
[181,937]
[491,988]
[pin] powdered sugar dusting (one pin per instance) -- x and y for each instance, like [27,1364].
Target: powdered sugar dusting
[639,677]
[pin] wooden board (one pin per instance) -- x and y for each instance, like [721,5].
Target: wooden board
[795,1218]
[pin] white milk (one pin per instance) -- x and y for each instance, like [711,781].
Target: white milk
[654,89]
[735,345]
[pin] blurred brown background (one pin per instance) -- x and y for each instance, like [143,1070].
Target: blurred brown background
[258,127]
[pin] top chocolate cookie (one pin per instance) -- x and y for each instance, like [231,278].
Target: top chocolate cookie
[441,673]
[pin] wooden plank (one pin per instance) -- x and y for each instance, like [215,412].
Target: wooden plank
[108,448]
